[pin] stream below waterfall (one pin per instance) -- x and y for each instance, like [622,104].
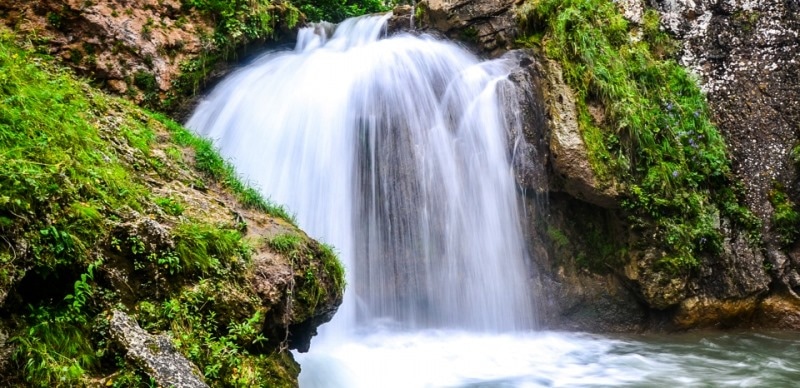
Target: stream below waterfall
[392,359]
[397,151]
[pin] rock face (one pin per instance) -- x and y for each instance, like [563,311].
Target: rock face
[487,25]
[747,57]
[154,354]
[568,152]
[127,45]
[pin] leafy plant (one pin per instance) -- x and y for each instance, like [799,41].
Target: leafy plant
[645,123]
[785,217]
[337,10]
[221,350]
[170,206]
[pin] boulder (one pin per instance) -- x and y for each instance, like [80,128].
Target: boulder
[155,355]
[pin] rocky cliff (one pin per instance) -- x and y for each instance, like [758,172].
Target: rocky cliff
[659,209]
[155,52]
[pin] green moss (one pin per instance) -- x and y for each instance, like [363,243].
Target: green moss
[785,217]
[73,170]
[644,121]
[557,236]
[319,273]
[333,267]
[795,155]
[224,347]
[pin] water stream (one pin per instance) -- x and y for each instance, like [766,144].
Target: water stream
[396,151]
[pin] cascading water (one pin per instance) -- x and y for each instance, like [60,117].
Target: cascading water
[396,151]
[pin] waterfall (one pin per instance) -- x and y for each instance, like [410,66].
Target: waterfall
[396,150]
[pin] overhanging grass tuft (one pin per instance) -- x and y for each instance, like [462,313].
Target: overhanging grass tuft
[208,161]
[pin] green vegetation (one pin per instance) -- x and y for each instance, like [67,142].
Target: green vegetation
[785,218]
[238,22]
[170,206]
[557,236]
[84,208]
[335,11]
[317,258]
[208,161]
[56,349]
[287,243]
[645,123]
[230,352]
[202,247]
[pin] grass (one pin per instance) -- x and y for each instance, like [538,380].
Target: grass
[645,124]
[202,248]
[287,243]
[220,345]
[73,167]
[239,22]
[57,175]
[208,161]
[785,218]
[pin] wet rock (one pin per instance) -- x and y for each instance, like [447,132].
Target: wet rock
[661,290]
[779,311]
[704,312]
[155,355]
[487,25]
[296,304]
[527,115]
[152,234]
[595,303]
[736,272]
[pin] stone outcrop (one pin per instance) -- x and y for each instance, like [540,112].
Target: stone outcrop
[184,237]
[745,55]
[155,355]
[568,153]
[127,45]
[488,25]
[747,58]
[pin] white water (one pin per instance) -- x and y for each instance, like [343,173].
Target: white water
[396,152]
